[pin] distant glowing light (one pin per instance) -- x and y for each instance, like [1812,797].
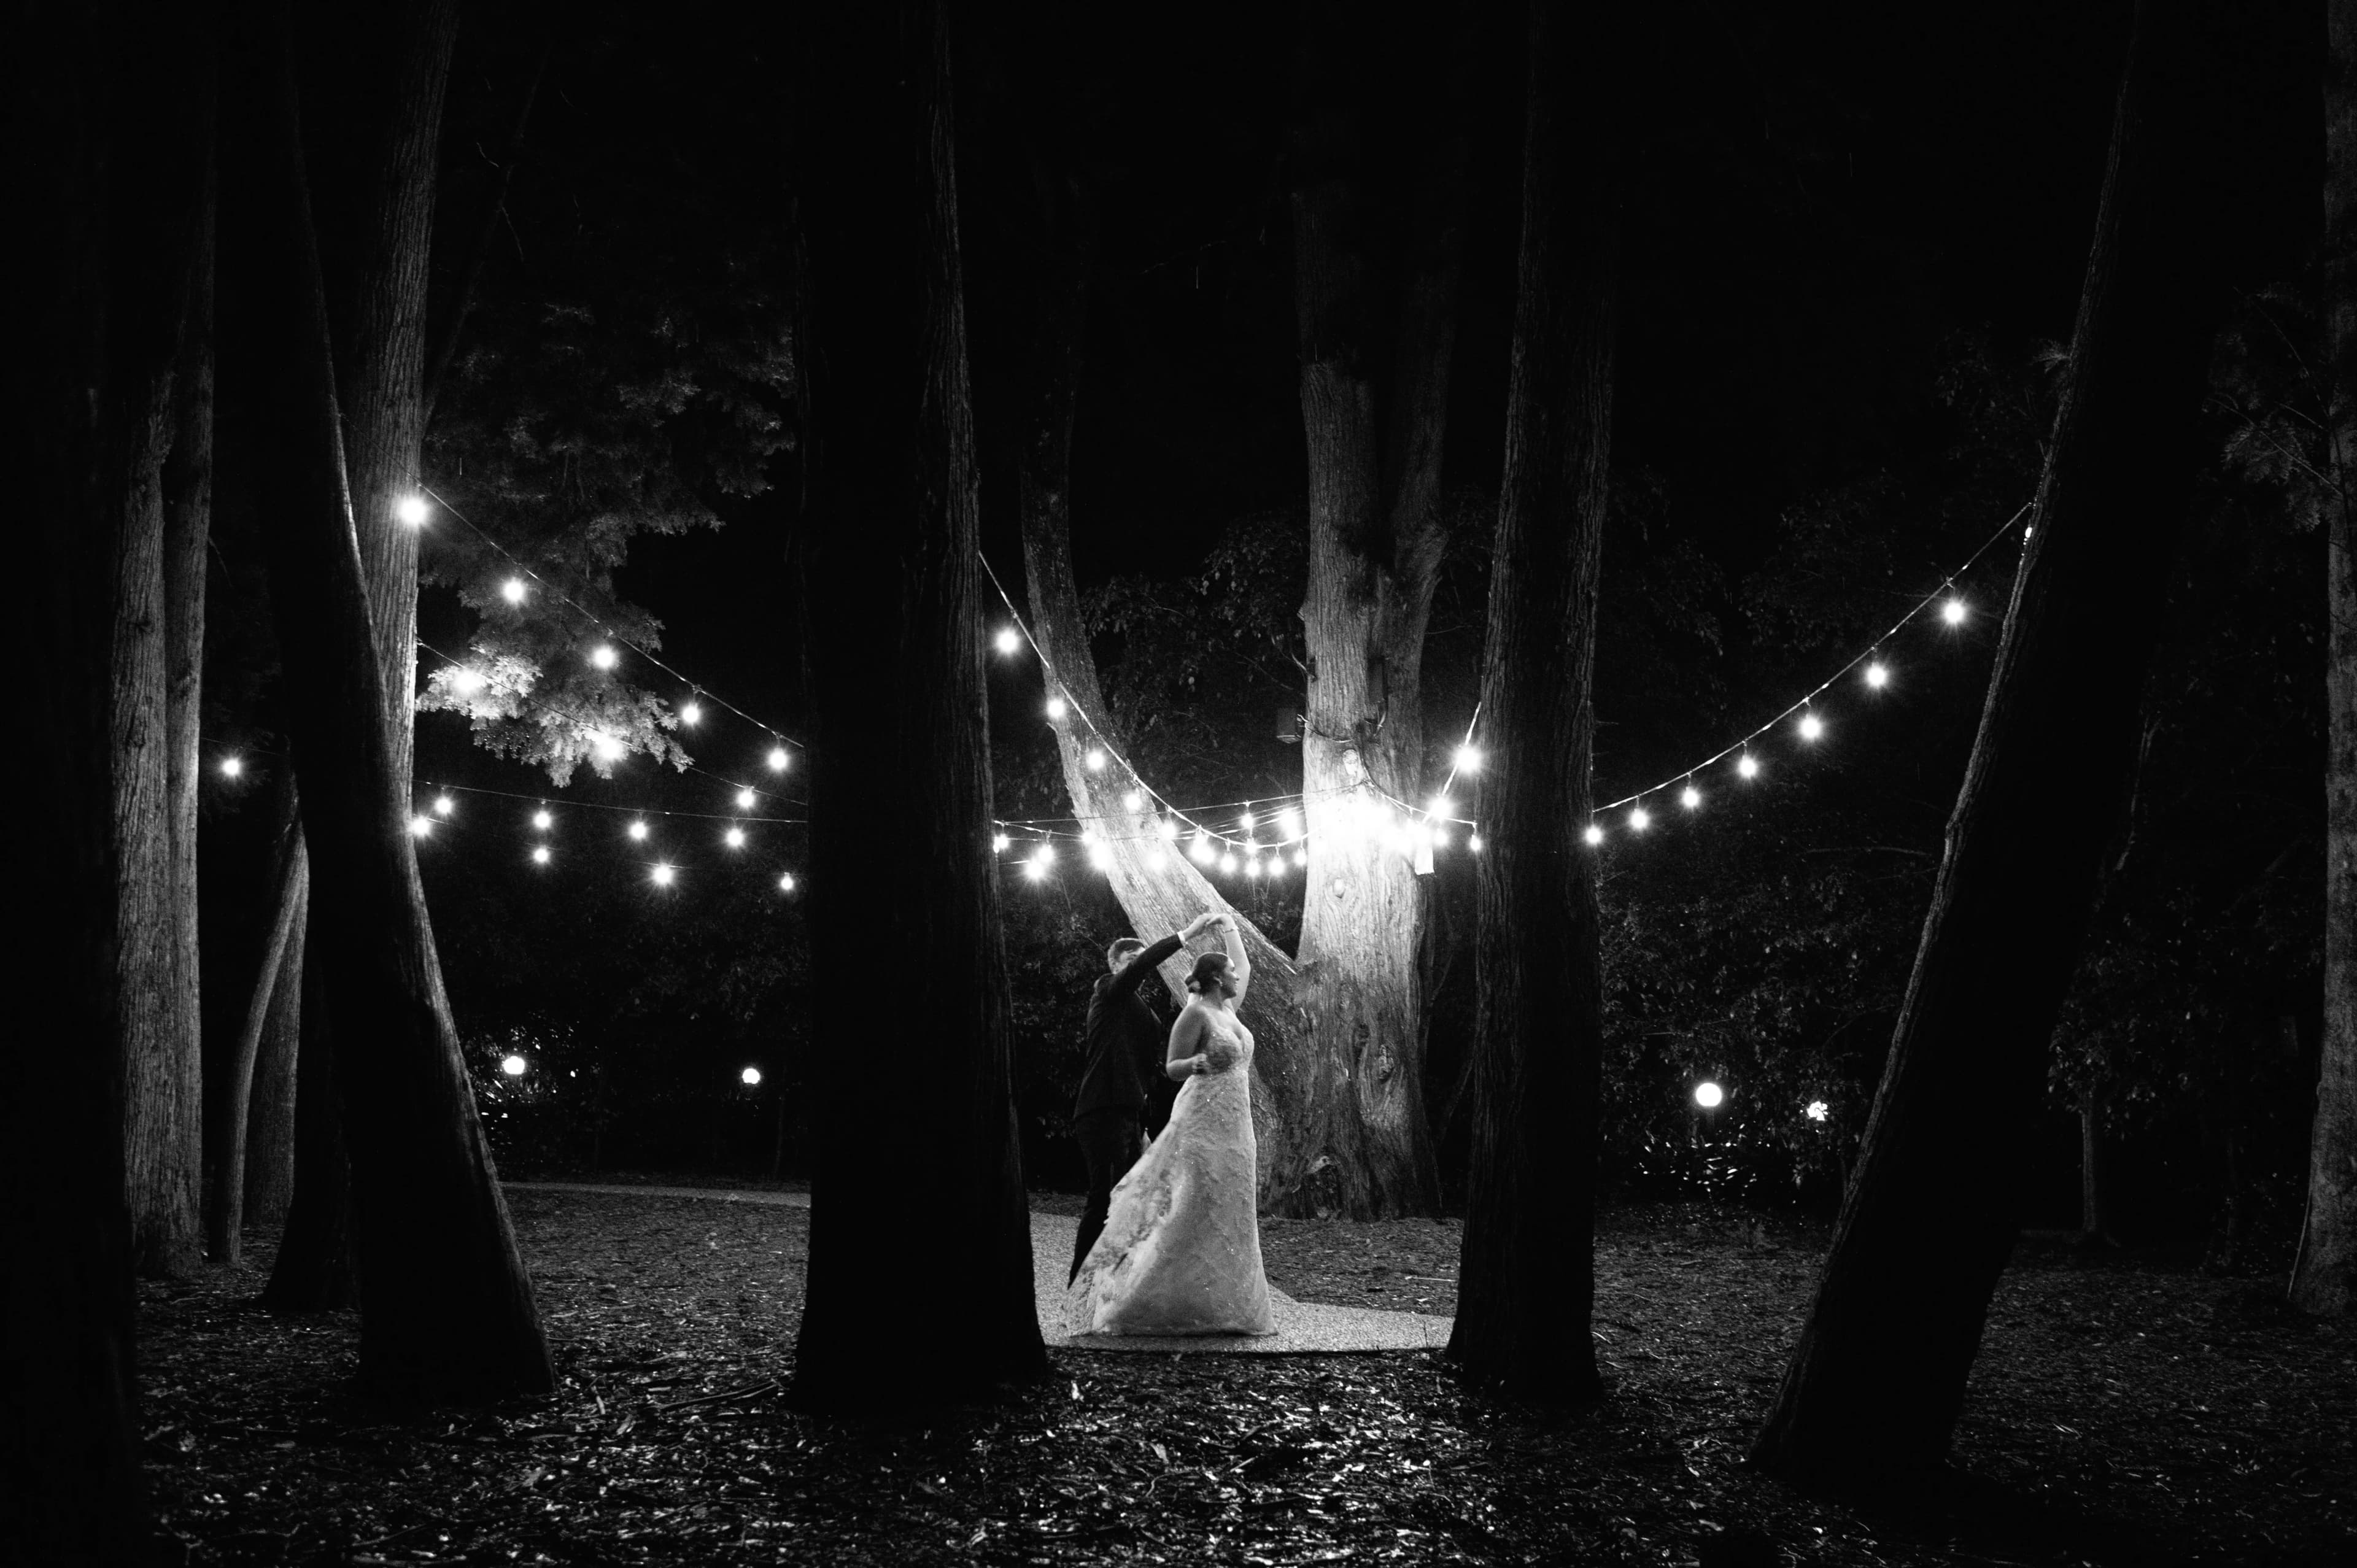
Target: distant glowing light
[1952,612]
[1035,868]
[466,681]
[1244,820]
[1468,760]
[1290,820]
[1709,1095]
[444,805]
[751,1077]
[1095,759]
[1251,866]
[1276,865]
[421,827]
[1302,856]
[1202,853]
[1133,801]
[734,838]
[603,656]
[1811,726]
[1228,864]
[1101,857]
[1878,675]
[746,799]
[1747,765]
[539,854]
[232,767]
[543,820]
[661,875]
[639,831]
[411,509]
[1595,834]
[1167,827]
[1008,641]
[1816,1111]
[608,747]
[1440,838]
[1055,707]
[514,1067]
[786,882]
[1442,806]
[998,842]
[1046,855]
[1690,798]
[779,760]
[512,590]
[1474,843]
[691,715]
[1639,818]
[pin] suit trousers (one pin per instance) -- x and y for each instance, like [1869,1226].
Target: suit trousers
[1109,1143]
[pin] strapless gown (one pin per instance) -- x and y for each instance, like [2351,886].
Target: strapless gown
[1181,1253]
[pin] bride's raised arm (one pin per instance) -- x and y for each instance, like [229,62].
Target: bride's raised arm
[1239,967]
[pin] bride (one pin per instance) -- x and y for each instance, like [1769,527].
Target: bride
[1180,1251]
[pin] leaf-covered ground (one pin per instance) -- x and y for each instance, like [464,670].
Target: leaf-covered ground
[2122,1411]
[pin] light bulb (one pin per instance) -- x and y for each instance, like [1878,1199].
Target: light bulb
[1594,834]
[1468,760]
[639,829]
[1440,838]
[1290,820]
[1055,707]
[1878,675]
[1101,857]
[1811,726]
[1709,1095]
[691,715]
[1202,853]
[735,838]
[746,799]
[1095,760]
[541,820]
[603,656]
[779,760]
[411,509]
[1245,821]
[513,1066]
[1474,843]
[1276,865]
[512,590]
[1689,797]
[608,747]
[443,805]
[1251,866]
[1088,835]
[1035,868]
[1133,801]
[751,1077]
[1047,853]
[1442,806]
[232,767]
[1639,818]
[1816,1111]
[1952,612]
[420,827]
[1301,855]
[1167,827]
[539,854]
[1008,641]
[1747,765]
[998,842]
[661,875]
[786,882]
[1228,864]
[466,681]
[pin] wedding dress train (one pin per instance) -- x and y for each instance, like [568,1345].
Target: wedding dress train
[1181,1253]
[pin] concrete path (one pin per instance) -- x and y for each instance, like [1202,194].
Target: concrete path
[1302,1328]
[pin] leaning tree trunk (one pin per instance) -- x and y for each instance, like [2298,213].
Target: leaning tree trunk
[1526,1277]
[445,1305]
[1158,890]
[1357,1143]
[2324,1279]
[270,1112]
[1876,1383]
[381,344]
[313,1269]
[891,603]
[225,1186]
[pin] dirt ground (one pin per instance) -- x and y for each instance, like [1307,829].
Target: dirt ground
[2121,1411]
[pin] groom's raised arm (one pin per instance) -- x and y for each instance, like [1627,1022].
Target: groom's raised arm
[1127,978]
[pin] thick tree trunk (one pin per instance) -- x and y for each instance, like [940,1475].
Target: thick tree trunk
[225,1188]
[270,1113]
[313,1269]
[447,1307]
[1527,1274]
[1878,1375]
[891,591]
[381,344]
[2324,1279]
[93,323]
[446,341]
[1358,1141]
[2095,1212]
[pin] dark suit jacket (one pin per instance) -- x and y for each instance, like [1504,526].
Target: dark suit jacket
[1125,1039]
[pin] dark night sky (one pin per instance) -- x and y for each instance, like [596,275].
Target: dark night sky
[1824,194]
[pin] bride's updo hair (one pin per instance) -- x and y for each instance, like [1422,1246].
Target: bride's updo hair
[1211,973]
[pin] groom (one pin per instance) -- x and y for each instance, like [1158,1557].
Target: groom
[1124,1058]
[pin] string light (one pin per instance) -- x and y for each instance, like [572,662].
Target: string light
[232,767]
[1228,864]
[1952,612]
[1035,868]
[1690,798]
[512,590]
[1133,801]
[1748,765]
[751,1077]
[1442,806]
[662,874]
[1468,760]
[639,831]
[1302,856]
[1008,641]
[411,509]
[779,760]
[608,747]
[543,820]
[691,715]
[1594,834]
[513,1066]
[603,656]
[539,854]
[734,838]
[444,805]
[1811,726]
[998,842]
[1167,827]
[1709,1095]
[468,681]
[1878,675]
[1473,842]
[1246,820]
[745,798]
[786,882]
[1095,759]
[1816,1111]
[1639,818]
[1055,707]
[421,827]
[1440,838]
[1251,866]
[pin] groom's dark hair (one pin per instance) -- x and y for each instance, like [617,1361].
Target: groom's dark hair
[1121,948]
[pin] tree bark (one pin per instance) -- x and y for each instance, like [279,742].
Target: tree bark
[1876,1379]
[2095,1212]
[2324,1276]
[1358,1140]
[1526,1280]
[313,1269]
[225,1190]
[891,591]
[470,272]
[445,1305]
[380,346]
[270,1112]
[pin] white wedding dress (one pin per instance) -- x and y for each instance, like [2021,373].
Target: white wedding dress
[1181,1253]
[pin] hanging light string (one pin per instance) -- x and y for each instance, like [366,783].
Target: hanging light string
[698,693]
[442,811]
[1953,610]
[544,801]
